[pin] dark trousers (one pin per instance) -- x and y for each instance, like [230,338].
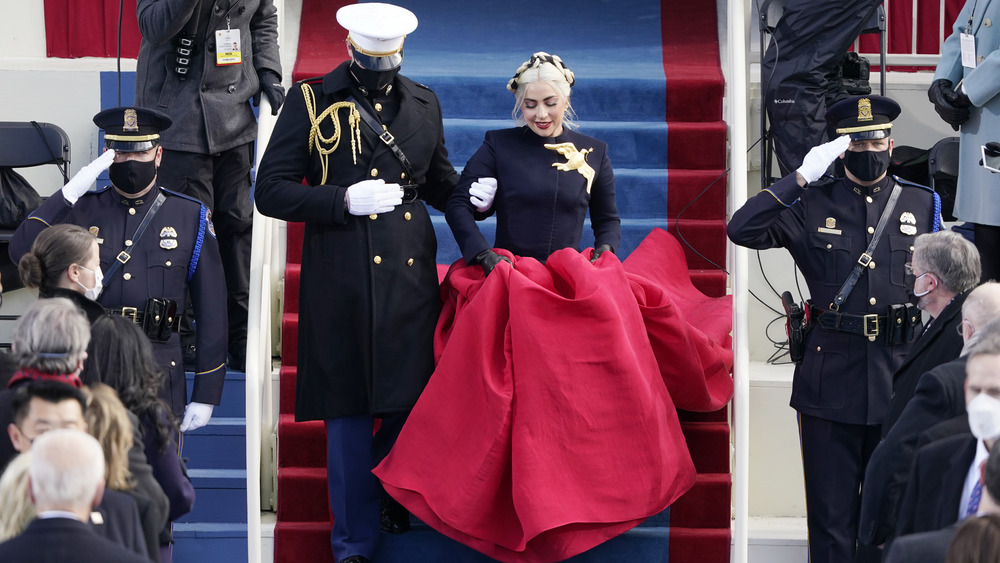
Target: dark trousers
[352,451]
[222,182]
[834,457]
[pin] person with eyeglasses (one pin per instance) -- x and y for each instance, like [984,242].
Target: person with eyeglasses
[937,400]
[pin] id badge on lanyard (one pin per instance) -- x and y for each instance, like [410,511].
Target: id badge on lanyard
[227,46]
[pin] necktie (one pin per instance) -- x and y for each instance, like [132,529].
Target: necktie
[974,497]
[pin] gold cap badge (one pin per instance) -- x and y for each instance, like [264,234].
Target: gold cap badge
[131,120]
[864,109]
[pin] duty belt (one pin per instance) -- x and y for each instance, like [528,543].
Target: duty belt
[136,316]
[866,325]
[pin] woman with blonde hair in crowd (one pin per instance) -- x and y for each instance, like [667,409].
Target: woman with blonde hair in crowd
[18,509]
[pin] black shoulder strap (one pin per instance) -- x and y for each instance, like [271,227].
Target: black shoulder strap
[124,255]
[384,135]
[866,256]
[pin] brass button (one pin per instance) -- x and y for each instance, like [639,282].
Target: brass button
[871,230]
[869,199]
[402,176]
[409,262]
[829,246]
[378,259]
[373,216]
[987,22]
[156,318]
[378,106]
[871,301]
[819,348]
[911,249]
[131,211]
[169,263]
[173,363]
[127,276]
[407,216]
[374,172]
[871,264]
[128,243]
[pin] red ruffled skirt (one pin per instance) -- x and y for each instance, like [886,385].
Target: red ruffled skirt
[550,423]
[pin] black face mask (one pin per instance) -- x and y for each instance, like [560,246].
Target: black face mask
[867,165]
[373,81]
[132,176]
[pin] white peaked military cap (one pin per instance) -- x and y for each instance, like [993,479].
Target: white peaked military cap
[376,29]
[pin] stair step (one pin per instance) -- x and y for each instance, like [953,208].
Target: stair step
[234,397]
[293,271]
[708,443]
[290,334]
[301,444]
[220,444]
[220,496]
[713,283]
[706,504]
[286,401]
[303,495]
[708,239]
[215,542]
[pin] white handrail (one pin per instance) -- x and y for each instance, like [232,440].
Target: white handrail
[738,11]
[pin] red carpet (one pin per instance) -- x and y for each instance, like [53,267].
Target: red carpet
[700,519]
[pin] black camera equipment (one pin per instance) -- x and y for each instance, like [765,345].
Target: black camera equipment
[853,74]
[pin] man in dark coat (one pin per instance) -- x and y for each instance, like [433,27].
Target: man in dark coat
[208,152]
[153,264]
[841,388]
[368,290]
[939,396]
[65,460]
[945,267]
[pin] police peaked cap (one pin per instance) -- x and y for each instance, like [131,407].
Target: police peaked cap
[131,129]
[863,117]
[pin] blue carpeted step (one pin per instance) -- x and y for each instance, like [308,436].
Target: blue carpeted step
[215,542]
[233,394]
[221,496]
[220,444]
[631,144]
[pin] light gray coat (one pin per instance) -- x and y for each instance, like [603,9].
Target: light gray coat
[978,188]
[211,108]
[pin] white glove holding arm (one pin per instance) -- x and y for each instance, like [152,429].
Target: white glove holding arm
[196,415]
[373,196]
[482,193]
[80,183]
[819,158]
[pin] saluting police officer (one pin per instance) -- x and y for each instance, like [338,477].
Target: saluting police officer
[155,246]
[860,332]
[369,291]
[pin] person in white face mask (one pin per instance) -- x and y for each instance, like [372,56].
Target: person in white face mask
[64,261]
[944,484]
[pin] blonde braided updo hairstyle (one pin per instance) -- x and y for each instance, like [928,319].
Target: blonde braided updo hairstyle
[543,67]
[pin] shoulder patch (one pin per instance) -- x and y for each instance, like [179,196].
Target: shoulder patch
[909,184]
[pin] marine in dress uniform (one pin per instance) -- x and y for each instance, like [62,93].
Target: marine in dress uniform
[841,388]
[369,292]
[175,253]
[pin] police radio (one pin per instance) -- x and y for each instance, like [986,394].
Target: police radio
[796,326]
[185,44]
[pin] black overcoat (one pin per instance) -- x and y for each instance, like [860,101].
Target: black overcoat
[368,295]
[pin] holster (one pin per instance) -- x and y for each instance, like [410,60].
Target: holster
[796,326]
[159,318]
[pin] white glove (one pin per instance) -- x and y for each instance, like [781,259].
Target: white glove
[482,193]
[196,415]
[80,183]
[819,158]
[373,196]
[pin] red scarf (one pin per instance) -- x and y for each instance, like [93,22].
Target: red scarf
[31,374]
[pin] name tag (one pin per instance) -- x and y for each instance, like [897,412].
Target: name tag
[227,47]
[829,231]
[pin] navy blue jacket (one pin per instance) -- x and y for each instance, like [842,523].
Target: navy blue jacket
[843,377]
[178,255]
[539,208]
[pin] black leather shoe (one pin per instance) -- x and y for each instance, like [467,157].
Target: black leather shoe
[355,559]
[393,518]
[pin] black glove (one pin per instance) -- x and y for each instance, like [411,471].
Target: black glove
[953,107]
[488,260]
[600,249]
[270,85]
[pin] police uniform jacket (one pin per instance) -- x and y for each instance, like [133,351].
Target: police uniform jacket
[177,254]
[368,294]
[210,109]
[843,377]
[539,208]
[975,200]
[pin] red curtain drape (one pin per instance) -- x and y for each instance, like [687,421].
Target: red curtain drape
[900,37]
[89,28]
